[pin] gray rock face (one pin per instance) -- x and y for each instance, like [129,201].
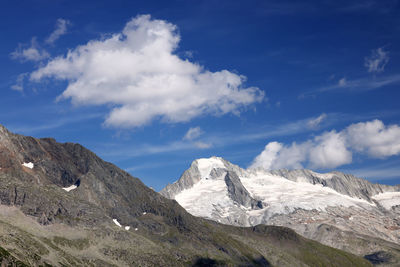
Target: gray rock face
[104,190]
[188,179]
[238,193]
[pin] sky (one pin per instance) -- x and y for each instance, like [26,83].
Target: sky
[153,85]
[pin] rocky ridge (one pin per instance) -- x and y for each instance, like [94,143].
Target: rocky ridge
[306,201]
[61,205]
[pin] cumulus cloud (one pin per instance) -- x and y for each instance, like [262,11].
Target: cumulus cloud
[333,149]
[374,138]
[329,151]
[325,151]
[30,53]
[137,74]
[61,29]
[377,61]
[315,122]
[267,156]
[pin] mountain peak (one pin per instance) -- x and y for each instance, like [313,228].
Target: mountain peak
[206,165]
[100,213]
[321,190]
[201,169]
[302,199]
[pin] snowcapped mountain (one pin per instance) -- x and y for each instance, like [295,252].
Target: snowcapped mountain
[61,205]
[303,200]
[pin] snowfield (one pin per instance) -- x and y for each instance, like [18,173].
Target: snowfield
[209,197]
[283,196]
[205,166]
[388,199]
[299,199]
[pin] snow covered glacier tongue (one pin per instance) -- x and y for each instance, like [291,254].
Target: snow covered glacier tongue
[301,199]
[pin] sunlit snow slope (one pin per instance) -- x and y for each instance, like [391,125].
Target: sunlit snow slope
[297,197]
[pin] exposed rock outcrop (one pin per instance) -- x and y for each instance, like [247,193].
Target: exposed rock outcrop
[238,193]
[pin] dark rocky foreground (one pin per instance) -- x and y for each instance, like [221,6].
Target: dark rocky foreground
[42,224]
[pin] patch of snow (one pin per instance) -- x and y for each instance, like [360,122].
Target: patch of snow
[127,228]
[388,199]
[144,213]
[28,165]
[72,187]
[136,229]
[117,223]
[206,165]
[301,179]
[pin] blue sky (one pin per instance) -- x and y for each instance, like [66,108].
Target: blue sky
[152,86]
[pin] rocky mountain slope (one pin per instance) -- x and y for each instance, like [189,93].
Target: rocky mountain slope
[336,209]
[61,205]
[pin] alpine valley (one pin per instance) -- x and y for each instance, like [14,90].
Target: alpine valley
[336,209]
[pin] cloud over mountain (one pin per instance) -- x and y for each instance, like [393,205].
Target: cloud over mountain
[333,149]
[374,138]
[137,74]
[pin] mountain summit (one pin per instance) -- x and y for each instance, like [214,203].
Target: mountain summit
[303,200]
[61,205]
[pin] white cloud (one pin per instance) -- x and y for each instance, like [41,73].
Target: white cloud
[19,83]
[137,73]
[325,151]
[377,61]
[31,53]
[333,149]
[358,85]
[202,145]
[267,156]
[374,138]
[193,133]
[315,122]
[61,29]
[329,151]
